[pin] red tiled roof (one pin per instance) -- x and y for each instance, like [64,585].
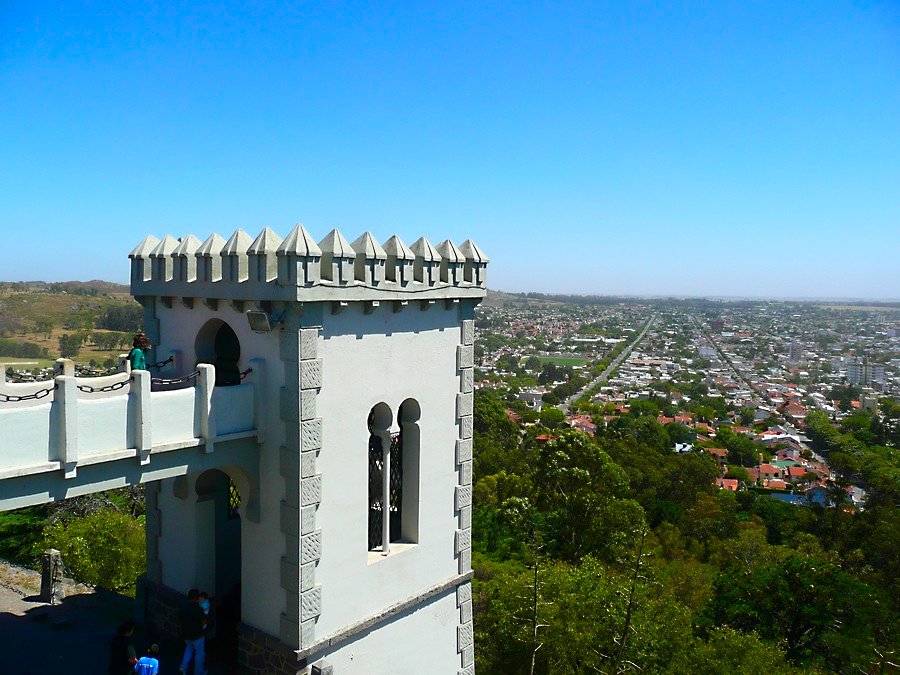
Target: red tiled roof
[717,452]
[727,483]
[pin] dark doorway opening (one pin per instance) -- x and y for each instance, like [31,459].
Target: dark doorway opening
[218,344]
[219,496]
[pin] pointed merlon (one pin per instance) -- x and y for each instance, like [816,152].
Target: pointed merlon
[396,248]
[267,242]
[335,245]
[165,247]
[187,247]
[423,249]
[368,248]
[211,247]
[145,248]
[472,252]
[300,243]
[237,244]
[449,252]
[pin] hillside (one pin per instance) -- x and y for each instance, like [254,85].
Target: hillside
[35,315]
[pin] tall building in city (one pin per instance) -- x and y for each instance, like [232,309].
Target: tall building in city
[864,373]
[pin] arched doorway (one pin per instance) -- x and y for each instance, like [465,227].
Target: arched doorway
[218,344]
[219,530]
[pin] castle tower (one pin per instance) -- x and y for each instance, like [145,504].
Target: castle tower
[339,534]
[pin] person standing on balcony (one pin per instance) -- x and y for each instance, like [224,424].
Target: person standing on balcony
[138,354]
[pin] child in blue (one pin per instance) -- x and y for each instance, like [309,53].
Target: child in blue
[148,665]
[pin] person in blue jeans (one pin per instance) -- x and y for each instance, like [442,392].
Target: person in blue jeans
[148,665]
[193,621]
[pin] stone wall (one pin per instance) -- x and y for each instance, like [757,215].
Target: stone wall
[262,654]
[157,607]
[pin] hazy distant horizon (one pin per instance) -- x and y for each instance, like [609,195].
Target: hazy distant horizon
[578,294]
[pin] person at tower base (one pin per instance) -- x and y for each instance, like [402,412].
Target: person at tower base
[122,655]
[149,664]
[193,622]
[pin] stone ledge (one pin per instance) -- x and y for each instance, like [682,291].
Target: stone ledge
[361,626]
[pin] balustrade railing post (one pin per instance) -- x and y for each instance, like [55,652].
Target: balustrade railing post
[124,363]
[143,436]
[258,373]
[66,399]
[206,382]
[64,367]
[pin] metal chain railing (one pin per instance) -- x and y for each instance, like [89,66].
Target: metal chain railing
[245,373]
[35,396]
[162,363]
[176,380]
[115,386]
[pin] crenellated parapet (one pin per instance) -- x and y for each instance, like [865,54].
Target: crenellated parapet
[299,269]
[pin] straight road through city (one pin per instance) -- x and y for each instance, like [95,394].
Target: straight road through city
[566,405]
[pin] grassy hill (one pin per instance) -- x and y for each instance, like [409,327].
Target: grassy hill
[35,314]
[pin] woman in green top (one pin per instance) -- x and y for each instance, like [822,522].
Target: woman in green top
[137,357]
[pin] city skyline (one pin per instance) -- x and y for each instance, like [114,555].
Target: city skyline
[729,152]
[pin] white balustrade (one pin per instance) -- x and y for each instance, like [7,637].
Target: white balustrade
[71,421]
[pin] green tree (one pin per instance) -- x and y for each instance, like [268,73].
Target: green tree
[105,548]
[748,416]
[584,495]
[729,651]
[495,435]
[533,363]
[69,345]
[738,472]
[814,608]
[643,407]
[551,417]
[44,326]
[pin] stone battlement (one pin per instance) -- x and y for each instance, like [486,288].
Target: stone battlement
[299,269]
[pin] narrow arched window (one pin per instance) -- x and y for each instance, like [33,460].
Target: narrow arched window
[393,453]
[379,423]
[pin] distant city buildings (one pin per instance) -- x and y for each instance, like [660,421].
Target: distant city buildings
[863,373]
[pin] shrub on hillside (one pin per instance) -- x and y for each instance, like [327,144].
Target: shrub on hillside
[105,548]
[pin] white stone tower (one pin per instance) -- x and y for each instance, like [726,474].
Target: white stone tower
[337,532]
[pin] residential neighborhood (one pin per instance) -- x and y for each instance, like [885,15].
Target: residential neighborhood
[736,381]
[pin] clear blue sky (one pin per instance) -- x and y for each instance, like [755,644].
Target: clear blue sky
[726,148]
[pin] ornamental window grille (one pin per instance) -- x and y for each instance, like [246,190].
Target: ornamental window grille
[380,504]
[396,491]
[376,466]
[234,501]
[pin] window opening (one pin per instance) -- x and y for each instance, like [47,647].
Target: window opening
[396,491]
[234,501]
[376,471]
